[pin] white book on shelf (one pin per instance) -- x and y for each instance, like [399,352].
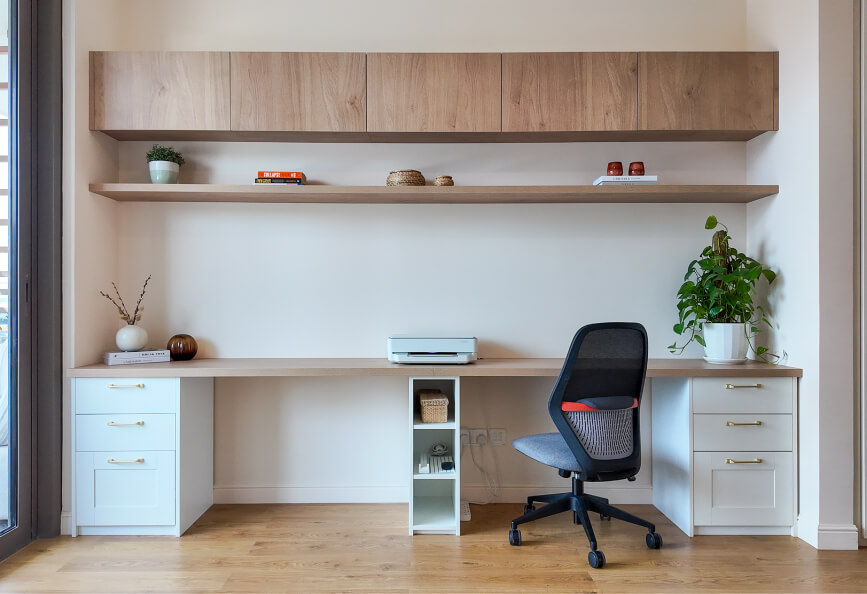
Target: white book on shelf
[625,180]
[128,358]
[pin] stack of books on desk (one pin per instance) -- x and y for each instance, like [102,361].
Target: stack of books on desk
[281,177]
[131,357]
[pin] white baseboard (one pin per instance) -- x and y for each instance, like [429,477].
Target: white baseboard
[838,537]
[284,494]
[66,523]
[518,493]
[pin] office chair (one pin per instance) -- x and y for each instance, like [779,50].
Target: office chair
[594,406]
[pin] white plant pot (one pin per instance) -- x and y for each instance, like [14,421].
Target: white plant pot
[725,343]
[164,172]
[131,338]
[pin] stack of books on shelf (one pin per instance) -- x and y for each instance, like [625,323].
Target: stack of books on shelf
[281,177]
[625,180]
[131,357]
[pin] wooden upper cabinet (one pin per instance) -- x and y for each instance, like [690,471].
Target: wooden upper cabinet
[570,92]
[433,92]
[159,90]
[310,92]
[726,91]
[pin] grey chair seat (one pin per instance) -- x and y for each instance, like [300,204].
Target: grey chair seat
[549,449]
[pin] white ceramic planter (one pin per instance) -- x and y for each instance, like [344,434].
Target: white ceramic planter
[164,172]
[725,343]
[131,338]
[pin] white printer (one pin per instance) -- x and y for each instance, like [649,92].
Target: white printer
[432,349]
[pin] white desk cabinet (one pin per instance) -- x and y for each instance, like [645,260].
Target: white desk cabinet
[142,454]
[724,454]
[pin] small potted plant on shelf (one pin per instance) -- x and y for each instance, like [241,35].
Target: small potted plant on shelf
[130,337]
[164,163]
[715,303]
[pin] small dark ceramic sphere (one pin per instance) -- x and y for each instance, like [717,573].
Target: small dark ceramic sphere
[182,347]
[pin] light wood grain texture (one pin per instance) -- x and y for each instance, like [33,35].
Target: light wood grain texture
[430,137]
[551,92]
[300,367]
[159,90]
[321,194]
[707,90]
[284,91]
[364,547]
[433,92]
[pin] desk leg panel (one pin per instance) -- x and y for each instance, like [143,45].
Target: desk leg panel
[671,429]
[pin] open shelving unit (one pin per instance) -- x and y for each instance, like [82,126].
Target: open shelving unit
[434,500]
[323,194]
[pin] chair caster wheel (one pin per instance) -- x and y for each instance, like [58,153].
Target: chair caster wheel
[515,537]
[528,508]
[653,540]
[604,517]
[596,559]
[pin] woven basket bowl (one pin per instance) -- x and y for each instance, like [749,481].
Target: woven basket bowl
[444,180]
[405,177]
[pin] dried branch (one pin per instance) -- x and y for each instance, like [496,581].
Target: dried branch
[121,306]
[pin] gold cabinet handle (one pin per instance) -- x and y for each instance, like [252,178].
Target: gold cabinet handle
[733,424]
[136,461]
[736,387]
[113,424]
[124,386]
[756,461]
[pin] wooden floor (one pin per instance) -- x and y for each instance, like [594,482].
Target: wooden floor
[315,548]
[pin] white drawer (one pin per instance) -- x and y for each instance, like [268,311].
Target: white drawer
[124,432]
[742,432]
[126,395]
[742,395]
[133,488]
[727,494]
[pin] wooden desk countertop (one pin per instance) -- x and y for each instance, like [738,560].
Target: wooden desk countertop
[297,367]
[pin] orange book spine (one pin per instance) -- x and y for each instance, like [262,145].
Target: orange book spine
[282,174]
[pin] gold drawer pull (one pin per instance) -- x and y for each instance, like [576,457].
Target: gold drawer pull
[736,387]
[136,461]
[124,386]
[733,424]
[113,424]
[756,461]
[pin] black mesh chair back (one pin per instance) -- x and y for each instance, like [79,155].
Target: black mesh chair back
[604,372]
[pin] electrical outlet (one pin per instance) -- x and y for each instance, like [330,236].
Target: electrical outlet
[478,437]
[465,437]
[498,436]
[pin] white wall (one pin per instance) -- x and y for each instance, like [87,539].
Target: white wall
[293,280]
[807,234]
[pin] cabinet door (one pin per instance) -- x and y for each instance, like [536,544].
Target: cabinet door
[570,92]
[298,91]
[743,494]
[125,488]
[159,90]
[433,92]
[707,91]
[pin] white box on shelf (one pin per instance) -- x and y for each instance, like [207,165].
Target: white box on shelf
[626,180]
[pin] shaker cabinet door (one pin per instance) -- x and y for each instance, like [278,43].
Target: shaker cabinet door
[310,92]
[570,92]
[725,91]
[433,92]
[159,90]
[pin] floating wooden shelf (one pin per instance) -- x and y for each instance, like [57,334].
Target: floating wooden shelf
[316,194]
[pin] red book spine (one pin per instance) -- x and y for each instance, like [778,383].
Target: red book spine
[282,174]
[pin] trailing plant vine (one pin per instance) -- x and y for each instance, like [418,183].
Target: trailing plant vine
[718,288]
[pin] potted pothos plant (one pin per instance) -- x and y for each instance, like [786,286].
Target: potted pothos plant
[715,302]
[164,163]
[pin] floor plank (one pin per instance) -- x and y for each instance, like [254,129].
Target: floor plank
[365,548]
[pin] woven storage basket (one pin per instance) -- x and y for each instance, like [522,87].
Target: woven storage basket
[434,406]
[405,177]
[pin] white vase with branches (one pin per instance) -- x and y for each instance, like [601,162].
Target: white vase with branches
[130,337]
